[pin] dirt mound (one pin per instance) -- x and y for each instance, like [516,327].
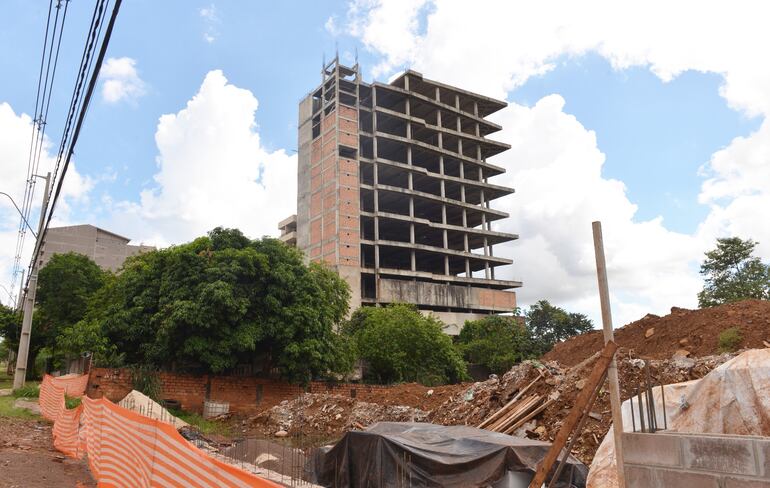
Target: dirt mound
[696,331]
[409,394]
[474,403]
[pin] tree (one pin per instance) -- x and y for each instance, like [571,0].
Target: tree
[224,300]
[10,326]
[732,273]
[400,344]
[497,342]
[549,325]
[65,287]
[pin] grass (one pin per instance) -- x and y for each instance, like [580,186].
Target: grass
[6,381]
[30,390]
[8,410]
[729,339]
[204,425]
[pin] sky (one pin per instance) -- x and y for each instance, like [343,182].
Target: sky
[648,116]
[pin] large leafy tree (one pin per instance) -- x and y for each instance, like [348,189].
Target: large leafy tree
[497,342]
[65,287]
[733,273]
[549,324]
[224,300]
[398,343]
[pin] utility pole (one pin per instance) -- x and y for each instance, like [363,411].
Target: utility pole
[29,300]
[21,290]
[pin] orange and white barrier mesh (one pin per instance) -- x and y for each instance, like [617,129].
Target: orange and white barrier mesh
[125,448]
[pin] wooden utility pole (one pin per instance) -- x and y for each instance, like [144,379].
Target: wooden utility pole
[582,406]
[612,373]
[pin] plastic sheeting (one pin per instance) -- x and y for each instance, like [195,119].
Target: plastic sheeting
[411,454]
[734,398]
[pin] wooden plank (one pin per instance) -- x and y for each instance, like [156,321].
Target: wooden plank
[505,408]
[526,406]
[516,411]
[612,373]
[529,416]
[582,405]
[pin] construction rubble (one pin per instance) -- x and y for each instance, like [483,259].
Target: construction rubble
[532,399]
[681,346]
[550,393]
[320,414]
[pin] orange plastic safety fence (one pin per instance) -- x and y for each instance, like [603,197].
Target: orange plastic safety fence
[128,449]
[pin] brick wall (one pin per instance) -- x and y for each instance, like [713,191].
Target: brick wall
[245,394]
[664,460]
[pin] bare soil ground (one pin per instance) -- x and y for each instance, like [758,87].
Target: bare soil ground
[29,460]
[696,331]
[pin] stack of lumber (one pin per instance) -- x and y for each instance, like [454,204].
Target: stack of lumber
[517,412]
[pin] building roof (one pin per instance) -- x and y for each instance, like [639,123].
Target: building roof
[99,229]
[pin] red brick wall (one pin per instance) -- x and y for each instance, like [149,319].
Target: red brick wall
[245,394]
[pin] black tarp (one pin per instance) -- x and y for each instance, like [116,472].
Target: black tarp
[412,454]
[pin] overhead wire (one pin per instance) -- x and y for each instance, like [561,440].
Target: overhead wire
[79,124]
[36,117]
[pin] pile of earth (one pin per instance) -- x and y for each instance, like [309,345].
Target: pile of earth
[474,403]
[694,331]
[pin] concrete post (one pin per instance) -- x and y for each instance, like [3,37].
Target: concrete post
[20,375]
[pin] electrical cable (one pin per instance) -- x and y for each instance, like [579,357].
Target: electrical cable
[79,124]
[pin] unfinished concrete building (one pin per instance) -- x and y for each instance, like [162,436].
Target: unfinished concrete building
[394,192]
[105,248]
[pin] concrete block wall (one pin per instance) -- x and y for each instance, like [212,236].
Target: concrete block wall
[669,460]
[246,394]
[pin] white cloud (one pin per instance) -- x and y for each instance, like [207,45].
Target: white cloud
[387,27]
[212,171]
[210,16]
[332,27]
[555,163]
[15,136]
[555,166]
[121,80]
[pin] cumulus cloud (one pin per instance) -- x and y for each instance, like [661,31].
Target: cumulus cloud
[555,163]
[555,166]
[15,136]
[212,171]
[121,80]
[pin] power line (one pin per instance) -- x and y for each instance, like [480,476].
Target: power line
[42,106]
[78,126]
[85,60]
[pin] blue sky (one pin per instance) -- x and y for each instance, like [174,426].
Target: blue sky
[655,134]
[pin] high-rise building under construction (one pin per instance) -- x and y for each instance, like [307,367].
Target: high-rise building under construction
[394,193]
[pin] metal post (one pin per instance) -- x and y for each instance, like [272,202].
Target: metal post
[29,300]
[612,373]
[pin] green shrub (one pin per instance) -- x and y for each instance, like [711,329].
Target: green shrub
[71,402]
[729,339]
[145,379]
[400,344]
[497,342]
[27,391]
